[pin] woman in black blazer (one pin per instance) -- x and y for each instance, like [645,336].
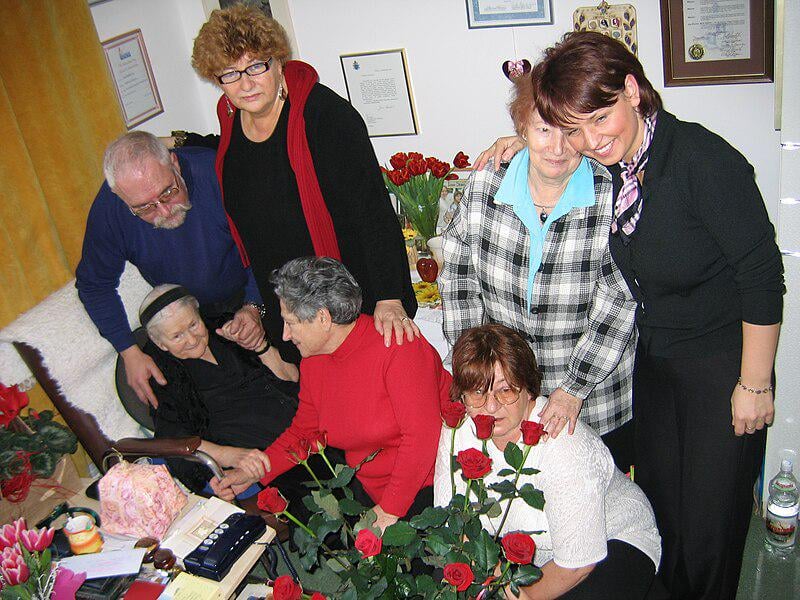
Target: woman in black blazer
[693,239]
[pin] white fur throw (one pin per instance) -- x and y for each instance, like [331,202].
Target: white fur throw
[75,354]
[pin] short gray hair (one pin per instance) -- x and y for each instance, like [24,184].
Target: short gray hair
[153,326]
[131,150]
[308,284]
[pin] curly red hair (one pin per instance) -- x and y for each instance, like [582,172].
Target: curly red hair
[233,32]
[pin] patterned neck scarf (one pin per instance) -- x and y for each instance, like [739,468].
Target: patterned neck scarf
[628,207]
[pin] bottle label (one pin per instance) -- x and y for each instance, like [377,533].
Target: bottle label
[781,530]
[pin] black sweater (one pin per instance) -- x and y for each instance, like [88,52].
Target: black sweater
[703,257]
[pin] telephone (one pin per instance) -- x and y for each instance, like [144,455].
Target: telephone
[215,555]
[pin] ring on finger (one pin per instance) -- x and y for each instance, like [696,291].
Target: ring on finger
[404,319]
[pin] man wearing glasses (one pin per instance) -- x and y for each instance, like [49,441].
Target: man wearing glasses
[163,212]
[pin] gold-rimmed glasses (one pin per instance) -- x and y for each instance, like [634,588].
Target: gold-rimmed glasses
[165,197]
[505,395]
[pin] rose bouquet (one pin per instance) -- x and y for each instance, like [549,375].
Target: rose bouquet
[449,541]
[26,569]
[417,183]
[30,446]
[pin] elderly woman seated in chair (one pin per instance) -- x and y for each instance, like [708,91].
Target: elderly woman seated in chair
[215,389]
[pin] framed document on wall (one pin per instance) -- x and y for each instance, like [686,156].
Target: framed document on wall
[379,89]
[721,41]
[132,74]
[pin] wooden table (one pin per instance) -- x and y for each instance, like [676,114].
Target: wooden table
[241,567]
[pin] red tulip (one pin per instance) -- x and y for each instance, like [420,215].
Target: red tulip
[37,540]
[461,160]
[399,160]
[417,167]
[11,402]
[415,156]
[440,169]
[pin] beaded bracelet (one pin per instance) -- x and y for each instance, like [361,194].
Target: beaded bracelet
[753,390]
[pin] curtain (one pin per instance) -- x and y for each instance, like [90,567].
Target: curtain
[58,111]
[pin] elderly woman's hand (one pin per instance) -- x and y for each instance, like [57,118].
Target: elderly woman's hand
[245,328]
[390,317]
[253,462]
[503,150]
[234,482]
[562,409]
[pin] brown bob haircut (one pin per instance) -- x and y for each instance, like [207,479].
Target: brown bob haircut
[585,72]
[478,350]
[233,32]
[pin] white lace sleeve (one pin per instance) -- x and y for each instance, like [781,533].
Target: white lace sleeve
[575,473]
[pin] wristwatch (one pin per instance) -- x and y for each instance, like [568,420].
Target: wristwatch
[262,310]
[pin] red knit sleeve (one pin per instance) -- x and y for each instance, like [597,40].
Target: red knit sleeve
[305,423]
[417,383]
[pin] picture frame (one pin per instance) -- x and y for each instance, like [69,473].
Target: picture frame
[379,88]
[731,46]
[132,75]
[508,13]
[452,194]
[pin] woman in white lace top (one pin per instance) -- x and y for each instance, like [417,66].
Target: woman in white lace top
[599,538]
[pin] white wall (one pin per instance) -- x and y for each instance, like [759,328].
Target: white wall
[169,28]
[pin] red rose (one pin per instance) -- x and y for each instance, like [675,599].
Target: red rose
[518,547]
[417,167]
[368,543]
[299,450]
[318,442]
[317,596]
[286,588]
[11,402]
[415,156]
[399,160]
[270,500]
[531,432]
[440,169]
[461,161]
[459,575]
[474,463]
[453,413]
[484,424]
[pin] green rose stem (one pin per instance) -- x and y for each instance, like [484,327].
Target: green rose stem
[466,494]
[452,452]
[311,471]
[510,500]
[327,462]
[484,448]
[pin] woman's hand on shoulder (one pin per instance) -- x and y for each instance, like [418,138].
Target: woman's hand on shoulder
[391,318]
[562,410]
[503,150]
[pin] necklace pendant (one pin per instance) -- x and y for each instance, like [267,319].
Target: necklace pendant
[543,216]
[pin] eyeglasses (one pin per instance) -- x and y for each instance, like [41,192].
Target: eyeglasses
[234,75]
[505,395]
[165,197]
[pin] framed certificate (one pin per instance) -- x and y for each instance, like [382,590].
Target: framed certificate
[132,74]
[508,13]
[721,41]
[379,89]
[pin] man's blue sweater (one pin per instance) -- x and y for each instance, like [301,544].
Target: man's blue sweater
[199,255]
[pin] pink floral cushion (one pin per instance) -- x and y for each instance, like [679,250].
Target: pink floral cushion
[139,500]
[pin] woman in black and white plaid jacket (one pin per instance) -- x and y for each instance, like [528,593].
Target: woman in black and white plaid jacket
[528,248]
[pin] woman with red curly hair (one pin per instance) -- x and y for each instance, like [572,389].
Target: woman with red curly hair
[297,170]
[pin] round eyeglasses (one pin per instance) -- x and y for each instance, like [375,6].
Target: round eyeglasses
[505,395]
[165,197]
[234,75]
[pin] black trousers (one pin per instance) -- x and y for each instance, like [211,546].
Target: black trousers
[620,443]
[696,472]
[626,573]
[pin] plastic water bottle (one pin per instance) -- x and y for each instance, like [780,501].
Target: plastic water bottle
[782,511]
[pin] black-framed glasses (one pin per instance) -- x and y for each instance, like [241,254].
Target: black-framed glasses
[234,75]
[505,395]
[165,197]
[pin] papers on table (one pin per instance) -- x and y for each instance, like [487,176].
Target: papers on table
[105,564]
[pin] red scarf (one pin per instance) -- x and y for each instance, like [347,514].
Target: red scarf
[300,79]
